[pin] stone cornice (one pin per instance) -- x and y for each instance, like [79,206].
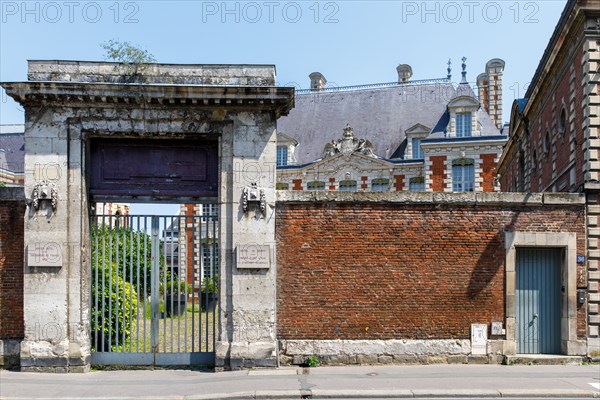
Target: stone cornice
[73,94]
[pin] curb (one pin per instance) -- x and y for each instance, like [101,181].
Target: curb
[358,394]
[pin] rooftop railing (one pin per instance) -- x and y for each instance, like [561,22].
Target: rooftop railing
[372,86]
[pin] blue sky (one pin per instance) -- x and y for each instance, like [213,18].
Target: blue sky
[350,42]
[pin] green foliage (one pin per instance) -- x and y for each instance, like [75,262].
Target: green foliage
[175,287]
[114,310]
[210,285]
[2,184]
[121,271]
[133,58]
[312,361]
[128,249]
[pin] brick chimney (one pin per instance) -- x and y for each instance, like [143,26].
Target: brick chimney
[489,85]
[404,72]
[317,81]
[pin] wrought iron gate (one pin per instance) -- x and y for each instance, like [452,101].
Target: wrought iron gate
[538,301]
[154,297]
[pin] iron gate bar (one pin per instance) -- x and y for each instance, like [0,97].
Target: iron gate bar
[116,340]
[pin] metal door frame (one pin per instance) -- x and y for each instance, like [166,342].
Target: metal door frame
[570,343]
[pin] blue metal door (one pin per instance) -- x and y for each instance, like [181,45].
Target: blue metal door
[538,301]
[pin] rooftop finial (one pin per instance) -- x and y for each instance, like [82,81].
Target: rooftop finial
[348,132]
[464,70]
[449,69]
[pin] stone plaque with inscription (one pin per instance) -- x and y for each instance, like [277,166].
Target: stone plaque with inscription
[44,255]
[253,256]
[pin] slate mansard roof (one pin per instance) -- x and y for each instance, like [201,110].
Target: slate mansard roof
[12,143]
[378,114]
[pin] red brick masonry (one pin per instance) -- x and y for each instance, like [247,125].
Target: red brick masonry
[12,211]
[376,270]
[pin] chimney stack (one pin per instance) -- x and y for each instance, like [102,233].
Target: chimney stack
[317,81]
[482,90]
[489,85]
[404,73]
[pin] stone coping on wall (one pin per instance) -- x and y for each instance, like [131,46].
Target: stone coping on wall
[207,74]
[521,199]
[12,194]
[77,94]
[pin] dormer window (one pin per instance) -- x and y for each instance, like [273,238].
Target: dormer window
[463,125]
[463,116]
[282,155]
[417,151]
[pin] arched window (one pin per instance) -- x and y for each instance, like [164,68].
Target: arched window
[547,144]
[534,161]
[562,122]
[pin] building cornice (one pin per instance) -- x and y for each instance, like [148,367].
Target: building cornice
[75,94]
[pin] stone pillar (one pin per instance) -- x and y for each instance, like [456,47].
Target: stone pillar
[56,237]
[248,336]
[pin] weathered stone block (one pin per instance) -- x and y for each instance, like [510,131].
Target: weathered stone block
[385,359]
[457,359]
[367,359]
[478,359]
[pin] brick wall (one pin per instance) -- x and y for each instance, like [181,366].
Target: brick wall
[488,168]
[12,211]
[438,173]
[401,270]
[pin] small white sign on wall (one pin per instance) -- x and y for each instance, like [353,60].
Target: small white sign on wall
[479,336]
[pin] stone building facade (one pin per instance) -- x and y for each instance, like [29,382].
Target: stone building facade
[554,134]
[407,135]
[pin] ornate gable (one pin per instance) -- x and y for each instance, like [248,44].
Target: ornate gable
[348,144]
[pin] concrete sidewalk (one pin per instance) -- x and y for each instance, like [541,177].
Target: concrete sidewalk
[410,381]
